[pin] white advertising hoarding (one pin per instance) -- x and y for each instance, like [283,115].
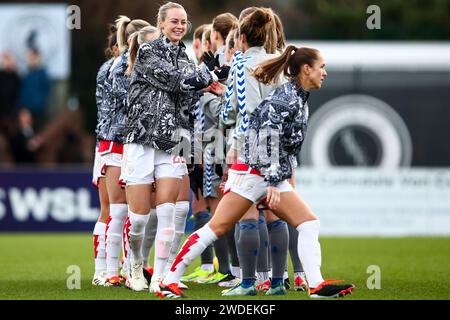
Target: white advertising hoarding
[51,35]
[378,202]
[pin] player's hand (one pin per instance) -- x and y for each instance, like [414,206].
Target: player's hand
[211,61]
[224,180]
[217,88]
[222,72]
[273,197]
[231,157]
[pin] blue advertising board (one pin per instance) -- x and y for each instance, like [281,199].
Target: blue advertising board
[49,200]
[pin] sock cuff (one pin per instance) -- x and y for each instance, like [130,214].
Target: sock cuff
[165,210]
[207,232]
[249,224]
[118,210]
[99,228]
[181,211]
[182,204]
[312,225]
[137,223]
[167,204]
[276,224]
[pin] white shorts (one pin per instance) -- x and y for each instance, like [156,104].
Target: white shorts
[251,186]
[97,169]
[142,165]
[110,160]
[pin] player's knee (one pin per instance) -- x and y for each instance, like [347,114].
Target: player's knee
[221,229]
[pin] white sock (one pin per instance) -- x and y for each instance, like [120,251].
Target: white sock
[262,276]
[136,234]
[309,251]
[126,244]
[191,249]
[149,236]
[99,247]
[181,212]
[118,214]
[164,238]
[236,271]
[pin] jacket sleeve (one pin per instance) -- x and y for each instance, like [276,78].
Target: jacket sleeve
[159,72]
[215,106]
[120,84]
[228,115]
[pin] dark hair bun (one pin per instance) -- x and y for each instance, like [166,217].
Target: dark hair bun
[259,18]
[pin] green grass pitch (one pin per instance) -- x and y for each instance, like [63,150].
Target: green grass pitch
[34,266]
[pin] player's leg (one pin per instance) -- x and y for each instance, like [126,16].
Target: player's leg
[201,217]
[300,283]
[169,173]
[220,245]
[278,239]
[228,212]
[247,244]
[181,213]
[138,174]
[296,212]
[118,214]
[99,234]
[262,266]
[139,214]
[150,230]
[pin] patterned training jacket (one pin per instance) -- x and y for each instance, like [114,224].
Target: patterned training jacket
[160,113]
[277,129]
[100,92]
[113,119]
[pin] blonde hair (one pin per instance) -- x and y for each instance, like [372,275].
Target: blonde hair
[138,38]
[162,13]
[126,27]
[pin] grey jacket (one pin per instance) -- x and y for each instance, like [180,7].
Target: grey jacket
[160,112]
[276,132]
[254,93]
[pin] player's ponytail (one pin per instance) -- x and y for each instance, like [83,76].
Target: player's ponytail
[137,39]
[289,63]
[125,28]
[122,37]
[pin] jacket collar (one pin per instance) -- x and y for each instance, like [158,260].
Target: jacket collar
[172,45]
[254,51]
[301,92]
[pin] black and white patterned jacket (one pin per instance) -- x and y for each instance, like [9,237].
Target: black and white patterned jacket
[113,110]
[100,92]
[160,112]
[276,132]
